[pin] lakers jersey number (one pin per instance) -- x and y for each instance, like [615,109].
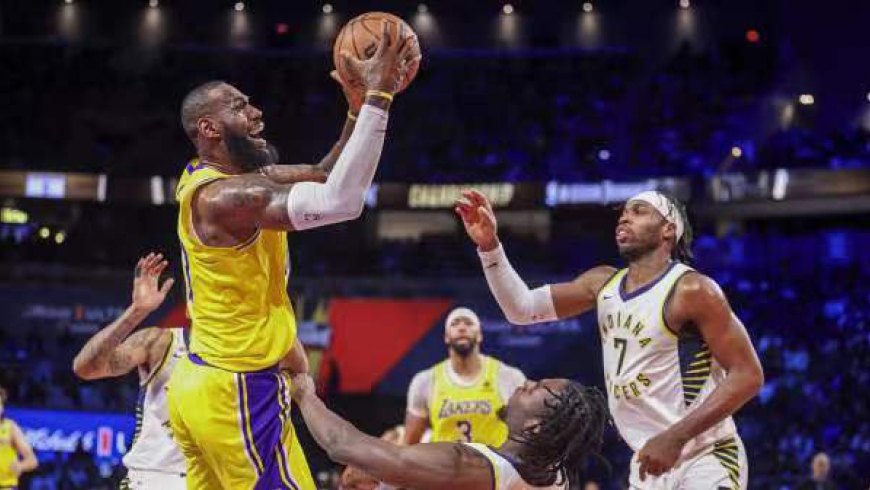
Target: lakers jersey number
[467,413]
[236,296]
[654,377]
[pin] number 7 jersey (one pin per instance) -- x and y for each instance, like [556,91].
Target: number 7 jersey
[654,377]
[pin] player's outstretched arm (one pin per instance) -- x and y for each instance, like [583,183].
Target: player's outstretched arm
[296,361]
[420,466]
[238,203]
[113,351]
[521,304]
[699,300]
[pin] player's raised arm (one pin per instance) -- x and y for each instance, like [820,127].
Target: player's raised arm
[113,351]
[420,466]
[521,304]
[256,200]
[290,174]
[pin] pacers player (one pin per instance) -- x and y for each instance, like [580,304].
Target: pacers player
[459,398]
[553,425]
[677,361]
[16,455]
[229,404]
[154,460]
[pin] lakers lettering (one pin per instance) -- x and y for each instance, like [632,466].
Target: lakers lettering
[450,408]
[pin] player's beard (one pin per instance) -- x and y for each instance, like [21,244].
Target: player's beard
[639,250]
[249,156]
[463,350]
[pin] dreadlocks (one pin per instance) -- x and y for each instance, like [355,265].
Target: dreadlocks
[571,428]
[682,250]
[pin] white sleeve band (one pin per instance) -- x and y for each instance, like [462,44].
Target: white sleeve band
[521,305]
[509,379]
[418,394]
[342,196]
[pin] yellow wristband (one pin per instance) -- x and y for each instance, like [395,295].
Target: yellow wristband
[351,116]
[378,93]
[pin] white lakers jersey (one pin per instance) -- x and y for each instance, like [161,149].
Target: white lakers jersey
[153,448]
[654,377]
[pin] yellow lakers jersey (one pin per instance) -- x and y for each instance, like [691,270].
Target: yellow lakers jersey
[240,313]
[467,413]
[8,455]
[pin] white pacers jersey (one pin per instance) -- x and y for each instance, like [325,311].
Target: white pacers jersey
[153,448]
[654,378]
[506,475]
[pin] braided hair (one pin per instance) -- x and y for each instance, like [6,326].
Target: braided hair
[682,250]
[571,428]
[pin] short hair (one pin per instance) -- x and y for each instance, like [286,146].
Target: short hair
[196,105]
[571,429]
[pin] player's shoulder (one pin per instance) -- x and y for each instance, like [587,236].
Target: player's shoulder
[11,424]
[507,368]
[695,283]
[597,277]
[696,291]
[424,375]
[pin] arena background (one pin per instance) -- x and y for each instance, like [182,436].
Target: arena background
[757,113]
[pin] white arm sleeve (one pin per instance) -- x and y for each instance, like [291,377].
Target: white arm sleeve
[342,196]
[509,379]
[521,305]
[418,394]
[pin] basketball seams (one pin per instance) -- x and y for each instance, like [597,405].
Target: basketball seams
[353,39]
[365,32]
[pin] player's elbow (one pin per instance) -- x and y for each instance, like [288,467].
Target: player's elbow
[752,379]
[519,315]
[757,379]
[518,319]
[349,205]
[84,370]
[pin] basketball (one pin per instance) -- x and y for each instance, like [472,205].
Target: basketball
[360,38]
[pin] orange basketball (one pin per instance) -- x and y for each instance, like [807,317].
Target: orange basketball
[360,38]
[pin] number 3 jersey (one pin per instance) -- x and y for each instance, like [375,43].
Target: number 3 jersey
[464,411]
[654,377]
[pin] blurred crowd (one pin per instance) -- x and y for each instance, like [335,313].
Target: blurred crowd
[519,117]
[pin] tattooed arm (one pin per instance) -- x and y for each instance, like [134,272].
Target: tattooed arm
[229,211]
[290,174]
[113,351]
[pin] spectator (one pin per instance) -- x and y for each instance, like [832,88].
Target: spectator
[820,479]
